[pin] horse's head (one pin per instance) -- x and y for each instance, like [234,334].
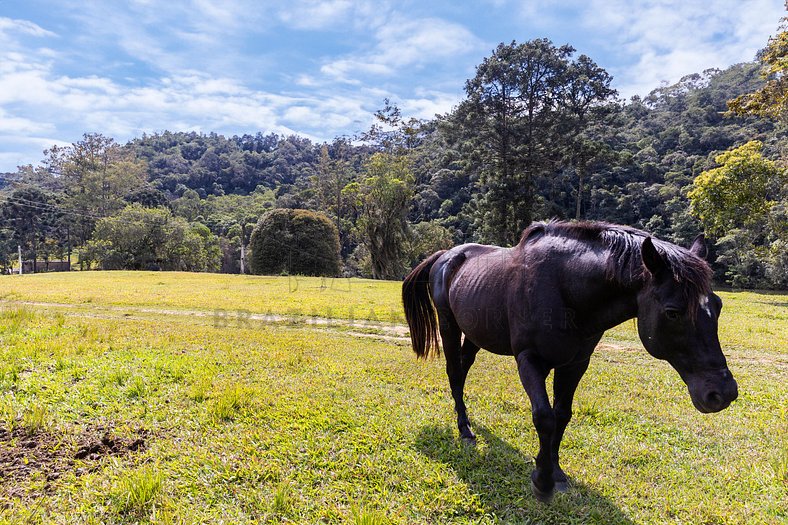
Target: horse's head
[677,322]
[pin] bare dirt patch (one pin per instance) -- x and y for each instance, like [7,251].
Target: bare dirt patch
[30,463]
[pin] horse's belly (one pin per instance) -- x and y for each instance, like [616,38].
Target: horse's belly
[487,328]
[483,318]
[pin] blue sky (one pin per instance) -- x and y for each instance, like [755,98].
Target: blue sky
[318,68]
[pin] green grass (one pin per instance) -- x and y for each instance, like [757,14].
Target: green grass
[228,297]
[289,423]
[136,492]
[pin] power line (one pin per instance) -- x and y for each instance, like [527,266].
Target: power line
[43,206]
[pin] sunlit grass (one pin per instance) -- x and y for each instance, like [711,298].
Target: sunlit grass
[227,298]
[36,419]
[136,491]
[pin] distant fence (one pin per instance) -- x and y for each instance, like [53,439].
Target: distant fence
[46,266]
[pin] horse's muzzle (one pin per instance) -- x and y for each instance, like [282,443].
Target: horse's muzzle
[712,391]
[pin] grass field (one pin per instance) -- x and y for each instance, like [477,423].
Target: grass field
[173,398]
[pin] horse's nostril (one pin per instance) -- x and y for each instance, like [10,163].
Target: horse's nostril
[714,399]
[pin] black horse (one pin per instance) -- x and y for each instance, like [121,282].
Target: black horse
[547,302]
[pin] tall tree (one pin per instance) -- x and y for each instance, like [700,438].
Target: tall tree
[333,173]
[585,89]
[742,203]
[514,122]
[382,198]
[98,174]
[31,217]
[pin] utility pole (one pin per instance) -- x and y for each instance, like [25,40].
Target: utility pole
[243,251]
[19,249]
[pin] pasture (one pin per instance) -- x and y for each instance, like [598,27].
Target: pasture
[131,397]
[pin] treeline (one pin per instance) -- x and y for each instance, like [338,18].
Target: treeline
[539,135]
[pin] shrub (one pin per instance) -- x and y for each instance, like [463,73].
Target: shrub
[293,241]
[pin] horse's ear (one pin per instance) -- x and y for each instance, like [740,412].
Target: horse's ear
[699,247]
[652,259]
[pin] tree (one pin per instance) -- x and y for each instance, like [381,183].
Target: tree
[296,242]
[31,218]
[585,88]
[141,238]
[333,173]
[742,203]
[98,175]
[427,238]
[772,99]
[382,199]
[739,192]
[523,119]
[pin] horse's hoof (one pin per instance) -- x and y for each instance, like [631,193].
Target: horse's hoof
[562,486]
[540,495]
[468,441]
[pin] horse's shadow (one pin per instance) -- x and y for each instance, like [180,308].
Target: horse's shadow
[499,474]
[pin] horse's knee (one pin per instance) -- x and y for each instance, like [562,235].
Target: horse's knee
[562,416]
[544,419]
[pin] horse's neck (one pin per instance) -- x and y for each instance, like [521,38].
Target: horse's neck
[614,310]
[603,303]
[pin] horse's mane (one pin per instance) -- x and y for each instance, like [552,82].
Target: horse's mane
[625,263]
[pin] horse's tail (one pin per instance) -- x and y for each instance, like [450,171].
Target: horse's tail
[419,310]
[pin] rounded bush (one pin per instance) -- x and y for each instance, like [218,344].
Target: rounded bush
[294,242]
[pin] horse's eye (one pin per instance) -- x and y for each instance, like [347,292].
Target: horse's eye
[673,314]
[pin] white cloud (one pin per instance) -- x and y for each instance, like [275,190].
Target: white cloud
[405,43]
[428,104]
[15,126]
[423,41]
[314,14]
[664,41]
[335,15]
[348,70]
[9,25]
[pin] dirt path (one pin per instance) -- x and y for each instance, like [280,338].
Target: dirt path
[222,318]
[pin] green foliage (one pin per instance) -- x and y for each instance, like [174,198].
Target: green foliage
[382,199]
[536,138]
[141,238]
[36,419]
[296,242]
[741,203]
[137,491]
[427,238]
[30,218]
[739,192]
[98,174]
[228,404]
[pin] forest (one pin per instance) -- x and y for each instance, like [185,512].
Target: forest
[540,134]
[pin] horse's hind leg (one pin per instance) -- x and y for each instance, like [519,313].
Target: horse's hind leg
[468,353]
[457,370]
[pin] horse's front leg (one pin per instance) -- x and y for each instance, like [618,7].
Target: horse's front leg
[532,375]
[564,385]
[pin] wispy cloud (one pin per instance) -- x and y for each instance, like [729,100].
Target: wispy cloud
[404,43]
[662,41]
[9,25]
